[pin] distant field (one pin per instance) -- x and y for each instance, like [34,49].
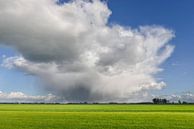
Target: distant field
[20,116]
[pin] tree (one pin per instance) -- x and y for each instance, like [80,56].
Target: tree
[155,100]
[164,101]
[159,101]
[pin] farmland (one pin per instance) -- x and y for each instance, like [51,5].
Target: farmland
[99,116]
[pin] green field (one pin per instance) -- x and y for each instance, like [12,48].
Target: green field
[29,116]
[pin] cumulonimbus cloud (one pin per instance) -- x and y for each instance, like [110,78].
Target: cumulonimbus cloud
[78,54]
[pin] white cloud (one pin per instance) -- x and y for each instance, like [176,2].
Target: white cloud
[184,96]
[77,54]
[21,97]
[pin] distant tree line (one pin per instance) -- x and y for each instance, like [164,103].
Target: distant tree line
[160,101]
[182,102]
[154,101]
[165,101]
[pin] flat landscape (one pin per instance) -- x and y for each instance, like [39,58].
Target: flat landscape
[96,116]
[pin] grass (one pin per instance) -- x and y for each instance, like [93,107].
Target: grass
[29,116]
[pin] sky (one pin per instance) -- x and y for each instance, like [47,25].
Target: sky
[41,49]
[177,15]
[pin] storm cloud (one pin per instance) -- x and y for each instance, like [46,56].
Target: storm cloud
[78,53]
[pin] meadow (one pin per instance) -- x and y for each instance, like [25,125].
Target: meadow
[99,116]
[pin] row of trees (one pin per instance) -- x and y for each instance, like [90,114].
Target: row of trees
[165,101]
[160,101]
